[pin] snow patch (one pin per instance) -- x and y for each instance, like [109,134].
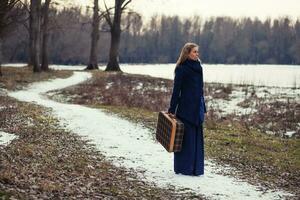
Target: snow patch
[139,86]
[3,92]
[108,85]
[162,88]
[6,138]
[14,65]
[231,106]
[290,133]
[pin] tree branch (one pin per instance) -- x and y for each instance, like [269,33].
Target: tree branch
[103,13]
[107,15]
[126,3]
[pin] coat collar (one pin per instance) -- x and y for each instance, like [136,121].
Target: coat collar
[195,65]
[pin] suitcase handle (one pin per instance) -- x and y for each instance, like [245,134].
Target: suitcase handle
[172,116]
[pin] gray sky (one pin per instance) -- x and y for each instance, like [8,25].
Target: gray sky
[206,8]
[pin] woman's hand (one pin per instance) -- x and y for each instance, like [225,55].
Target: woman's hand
[172,115]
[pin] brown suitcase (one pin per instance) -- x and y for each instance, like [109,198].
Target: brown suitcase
[169,132]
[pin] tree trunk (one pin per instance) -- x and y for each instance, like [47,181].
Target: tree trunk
[93,62]
[35,30]
[30,44]
[0,56]
[113,63]
[45,63]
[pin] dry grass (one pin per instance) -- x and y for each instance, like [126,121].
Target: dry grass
[272,115]
[15,78]
[278,117]
[121,89]
[218,90]
[271,160]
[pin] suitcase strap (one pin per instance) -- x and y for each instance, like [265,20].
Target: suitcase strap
[172,139]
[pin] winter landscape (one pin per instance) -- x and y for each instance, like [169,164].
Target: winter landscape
[82,83]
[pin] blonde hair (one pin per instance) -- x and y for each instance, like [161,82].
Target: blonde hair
[185,51]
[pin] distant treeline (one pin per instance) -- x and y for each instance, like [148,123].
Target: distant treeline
[221,39]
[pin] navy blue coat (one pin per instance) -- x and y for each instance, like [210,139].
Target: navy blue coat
[187,92]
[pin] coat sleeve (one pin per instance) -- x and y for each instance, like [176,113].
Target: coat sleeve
[176,90]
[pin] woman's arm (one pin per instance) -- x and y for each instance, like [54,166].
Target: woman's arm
[176,89]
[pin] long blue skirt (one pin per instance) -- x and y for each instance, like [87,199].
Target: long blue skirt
[190,160]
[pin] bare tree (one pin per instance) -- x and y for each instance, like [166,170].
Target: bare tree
[45,62]
[93,61]
[30,33]
[5,7]
[7,18]
[115,30]
[34,34]
[0,56]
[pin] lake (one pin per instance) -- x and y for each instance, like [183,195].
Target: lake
[259,75]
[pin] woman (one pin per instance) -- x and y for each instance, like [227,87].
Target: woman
[187,103]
